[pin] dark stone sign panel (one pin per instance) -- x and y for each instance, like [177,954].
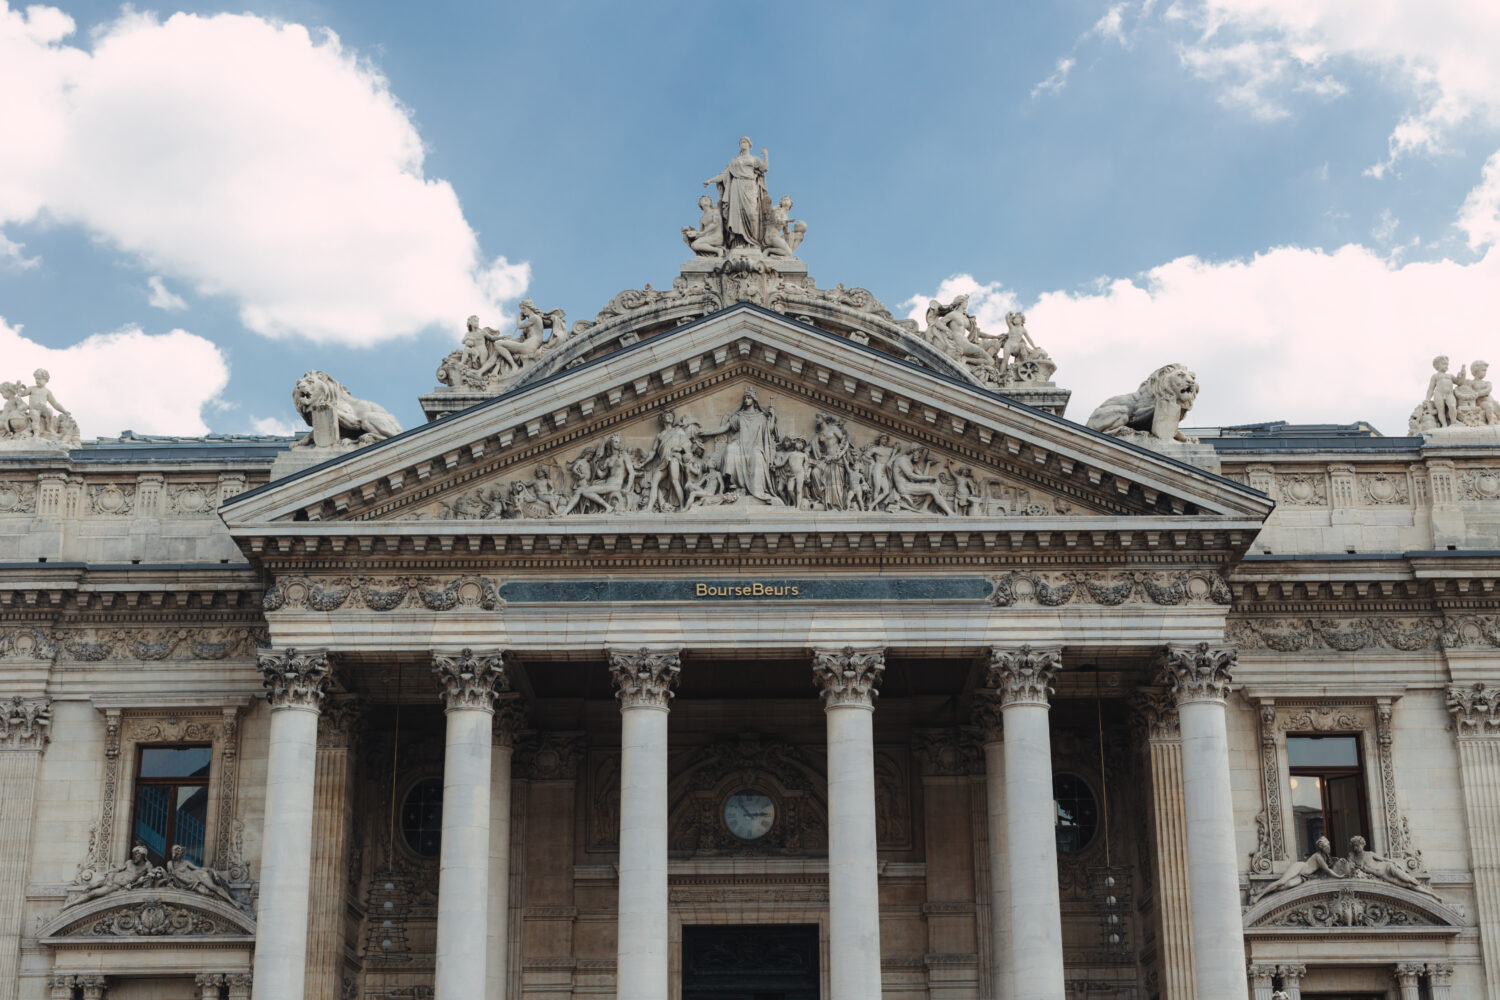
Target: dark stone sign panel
[919,588]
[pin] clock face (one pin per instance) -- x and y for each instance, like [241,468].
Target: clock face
[749,815]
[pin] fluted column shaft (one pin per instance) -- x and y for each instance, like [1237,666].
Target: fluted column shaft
[295,682]
[333,812]
[643,681]
[987,715]
[849,678]
[1023,677]
[1156,711]
[24,729]
[508,718]
[1408,980]
[469,683]
[1200,677]
[1476,717]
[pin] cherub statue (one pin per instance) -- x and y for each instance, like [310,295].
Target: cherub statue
[792,465]
[1441,390]
[183,874]
[39,404]
[1320,862]
[136,871]
[783,235]
[708,239]
[1017,343]
[1489,410]
[1369,863]
[15,421]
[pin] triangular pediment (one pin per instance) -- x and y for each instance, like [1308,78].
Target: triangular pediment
[770,421]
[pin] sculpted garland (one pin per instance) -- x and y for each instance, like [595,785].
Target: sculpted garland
[744,459]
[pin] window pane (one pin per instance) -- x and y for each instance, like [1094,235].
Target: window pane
[1307,812]
[1323,751]
[422,817]
[151,808]
[172,762]
[192,819]
[1345,814]
[1077,814]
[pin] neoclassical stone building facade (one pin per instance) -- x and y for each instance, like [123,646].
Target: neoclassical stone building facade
[745,642]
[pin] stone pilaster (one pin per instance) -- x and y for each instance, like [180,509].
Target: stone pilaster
[1022,678]
[237,986]
[848,679]
[1155,713]
[510,717]
[470,683]
[988,716]
[1291,980]
[1262,981]
[333,820]
[1409,980]
[1199,676]
[209,983]
[60,987]
[25,728]
[93,987]
[1439,981]
[1476,722]
[643,680]
[296,682]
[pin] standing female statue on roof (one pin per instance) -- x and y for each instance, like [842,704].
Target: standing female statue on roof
[743,201]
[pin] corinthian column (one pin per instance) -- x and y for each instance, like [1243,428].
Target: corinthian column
[469,683]
[849,678]
[295,683]
[1199,676]
[643,681]
[987,716]
[1476,720]
[24,726]
[1023,677]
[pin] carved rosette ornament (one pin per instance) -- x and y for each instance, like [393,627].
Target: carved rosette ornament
[848,676]
[1199,672]
[1024,676]
[644,678]
[24,723]
[295,679]
[1475,709]
[470,680]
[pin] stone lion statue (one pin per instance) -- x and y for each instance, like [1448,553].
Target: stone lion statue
[1154,410]
[338,420]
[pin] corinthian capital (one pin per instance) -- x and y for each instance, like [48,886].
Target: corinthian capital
[470,679]
[1155,711]
[848,676]
[510,719]
[24,723]
[1198,672]
[295,679]
[644,677]
[1024,676]
[1475,709]
[989,716]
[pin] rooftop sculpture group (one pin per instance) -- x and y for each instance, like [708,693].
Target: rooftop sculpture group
[1455,401]
[1003,360]
[744,458]
[32,418]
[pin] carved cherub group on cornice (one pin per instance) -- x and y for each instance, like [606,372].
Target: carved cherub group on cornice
[1360,863]
[31,416]
[1461,400]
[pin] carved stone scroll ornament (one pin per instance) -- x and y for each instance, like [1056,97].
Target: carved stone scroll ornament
[1153,412]
[848,676]
[644,677]
[1024,676]
[1198,672]
[1346,635]
[337,419]
[295,679]
[25,723]
[470,680]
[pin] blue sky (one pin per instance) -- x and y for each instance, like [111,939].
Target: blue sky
[1291,197]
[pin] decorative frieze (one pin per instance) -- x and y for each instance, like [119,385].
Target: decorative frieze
[470,680]
[1475,709]
[1024,676]
[27,643]
[1345,635]
[25,723]
[1478,483]
[112,499]
[190,643]
[17,497]
[1471,632]
[294,679]
[1198,672]
[301,593]
[1384,489]
[848,676]
[1110,590]
[1302,489]
[644,677]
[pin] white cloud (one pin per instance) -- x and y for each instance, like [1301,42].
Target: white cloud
[1385,229]
[13,254]
[247,158]
[1057,81]
[1479,217]
[128,379]
[1111,24]
[276,425]
[163,297]
[1442,52]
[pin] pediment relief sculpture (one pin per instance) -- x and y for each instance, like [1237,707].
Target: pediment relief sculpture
[753,454]
[1361,864]
[161,912]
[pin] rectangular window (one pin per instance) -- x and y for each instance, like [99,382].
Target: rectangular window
[1328,791]
[171,800]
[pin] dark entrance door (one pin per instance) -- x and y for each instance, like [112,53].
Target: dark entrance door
[750,962]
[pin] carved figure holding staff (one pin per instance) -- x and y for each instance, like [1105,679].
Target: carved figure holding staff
[743,201]
[751,430]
